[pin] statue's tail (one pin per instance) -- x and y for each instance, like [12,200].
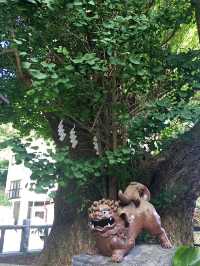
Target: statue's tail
[134,193]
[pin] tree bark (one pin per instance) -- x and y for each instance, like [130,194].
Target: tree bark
[178,174]
[69,235]
[112,187]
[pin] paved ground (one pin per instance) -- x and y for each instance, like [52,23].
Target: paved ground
[11,265]
[18,260]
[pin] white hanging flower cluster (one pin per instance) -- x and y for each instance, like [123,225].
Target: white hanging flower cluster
[61,131]
[96,146]
[73,137]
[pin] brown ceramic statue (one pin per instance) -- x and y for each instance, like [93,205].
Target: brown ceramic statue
[116,225]
[134,192]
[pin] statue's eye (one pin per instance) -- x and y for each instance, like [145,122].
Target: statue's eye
[104,212]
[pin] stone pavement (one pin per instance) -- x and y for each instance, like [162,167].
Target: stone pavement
[141,255]
[2,264]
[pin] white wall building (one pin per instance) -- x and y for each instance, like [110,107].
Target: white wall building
[26,204]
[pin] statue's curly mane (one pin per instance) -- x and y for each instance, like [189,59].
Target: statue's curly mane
[96,206]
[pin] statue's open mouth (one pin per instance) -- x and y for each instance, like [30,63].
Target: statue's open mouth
[101,224]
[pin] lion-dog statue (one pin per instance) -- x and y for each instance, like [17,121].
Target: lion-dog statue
[116,225]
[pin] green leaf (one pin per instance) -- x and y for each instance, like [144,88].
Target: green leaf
[91,2]
[134,60]
[78,60]
[116,61]
[17,41]
[37,74]
[62,50]
[187,256]
[77,3]
[26,65]
[196,85]
[35,2]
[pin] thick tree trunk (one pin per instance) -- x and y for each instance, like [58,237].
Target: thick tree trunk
[65,241]
[179,224]
[177,171]
[178,176]
[69,235]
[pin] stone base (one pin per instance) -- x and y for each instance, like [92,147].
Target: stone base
[141,255]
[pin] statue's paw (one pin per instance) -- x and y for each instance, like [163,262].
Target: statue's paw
[117,258]
[131,243]
[166,244]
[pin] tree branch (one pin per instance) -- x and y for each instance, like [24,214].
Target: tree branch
[96,118]
[25,77]
[15,52]
[170,36]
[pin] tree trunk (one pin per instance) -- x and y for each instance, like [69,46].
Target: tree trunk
[177,175]
[179,224]
[65,241]
[69,235]
[196,4]
[112,187]
[177,171]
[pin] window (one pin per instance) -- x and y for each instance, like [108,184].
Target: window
[41,203]
[39,214]
[14,191]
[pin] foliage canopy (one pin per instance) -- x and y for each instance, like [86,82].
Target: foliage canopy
[111,68]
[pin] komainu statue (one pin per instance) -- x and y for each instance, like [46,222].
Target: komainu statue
[116,225]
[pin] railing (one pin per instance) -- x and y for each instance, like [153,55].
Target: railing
[25,234]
